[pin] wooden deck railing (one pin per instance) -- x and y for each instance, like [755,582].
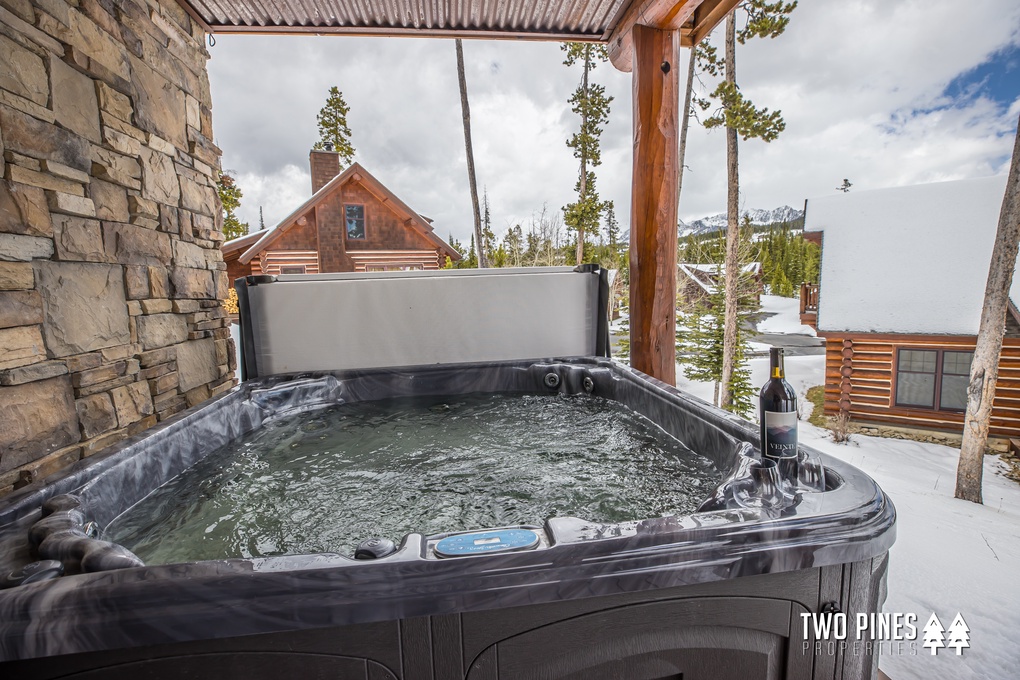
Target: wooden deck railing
[809,304]
[809,298]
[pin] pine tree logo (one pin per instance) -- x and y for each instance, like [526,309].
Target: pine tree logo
[934,634]
[959,634]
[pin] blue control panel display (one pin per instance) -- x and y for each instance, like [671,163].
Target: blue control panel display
[486,542]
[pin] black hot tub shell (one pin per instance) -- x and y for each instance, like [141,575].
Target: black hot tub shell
[716,594]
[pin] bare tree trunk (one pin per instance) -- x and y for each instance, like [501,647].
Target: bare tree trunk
[584,162]
[580,224]
[479,243]
[985,368]
[732,229]
[685,121]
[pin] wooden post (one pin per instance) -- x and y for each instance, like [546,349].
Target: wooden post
[653,213]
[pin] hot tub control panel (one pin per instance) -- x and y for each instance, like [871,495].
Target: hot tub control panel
[486,542]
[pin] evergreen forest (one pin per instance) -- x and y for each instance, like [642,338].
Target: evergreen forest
[787,258]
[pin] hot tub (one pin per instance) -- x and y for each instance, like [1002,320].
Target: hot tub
[716,593]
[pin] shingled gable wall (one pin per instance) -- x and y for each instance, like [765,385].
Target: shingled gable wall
[110,268]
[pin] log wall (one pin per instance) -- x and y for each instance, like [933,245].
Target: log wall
[860,376]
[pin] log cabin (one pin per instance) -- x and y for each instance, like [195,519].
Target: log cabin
[696,283]
[899,300]
[351,222]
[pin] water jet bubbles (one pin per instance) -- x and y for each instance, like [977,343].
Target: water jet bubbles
[316,425]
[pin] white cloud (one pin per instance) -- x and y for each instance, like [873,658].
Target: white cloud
[860,84]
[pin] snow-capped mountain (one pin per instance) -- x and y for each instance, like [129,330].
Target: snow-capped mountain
[758,217]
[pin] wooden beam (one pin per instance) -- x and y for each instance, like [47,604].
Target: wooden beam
[653,237]
[664,14]
[708,16]
[693,18]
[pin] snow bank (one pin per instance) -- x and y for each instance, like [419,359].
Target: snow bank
[786,316]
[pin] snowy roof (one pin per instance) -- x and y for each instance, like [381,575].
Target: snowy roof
[907,260]
[706,275]
[747,268]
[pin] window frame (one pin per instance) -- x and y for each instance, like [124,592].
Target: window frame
[937,397]
[303,268]
[364,223]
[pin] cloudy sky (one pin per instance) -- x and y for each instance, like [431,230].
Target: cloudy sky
[883,92]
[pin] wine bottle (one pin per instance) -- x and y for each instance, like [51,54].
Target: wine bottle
[778,415]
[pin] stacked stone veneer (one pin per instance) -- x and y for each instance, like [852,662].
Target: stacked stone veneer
[110,267]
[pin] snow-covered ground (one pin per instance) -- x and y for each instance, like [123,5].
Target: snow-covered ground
[786,319]
[950,556]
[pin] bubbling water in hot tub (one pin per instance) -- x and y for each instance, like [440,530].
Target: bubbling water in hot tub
[322,481]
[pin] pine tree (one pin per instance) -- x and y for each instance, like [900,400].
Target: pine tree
[699,345]
[611,258]
[333,127]
[591,103]
[467,258]
[701,332]
[230,197]
[513,242]
[488,237]
[471,261]
[787,260]
[739,116]
[262,220]
[498,257]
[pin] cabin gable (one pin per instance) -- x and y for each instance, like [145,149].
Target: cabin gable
[351,223]
[384,227]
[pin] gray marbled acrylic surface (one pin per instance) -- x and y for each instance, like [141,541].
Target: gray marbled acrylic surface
[106,602]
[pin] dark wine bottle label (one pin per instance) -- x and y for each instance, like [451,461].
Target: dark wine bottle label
[780,435]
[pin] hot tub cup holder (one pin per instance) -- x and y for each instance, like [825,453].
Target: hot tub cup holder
[811,472]
[755,483]
[763,488]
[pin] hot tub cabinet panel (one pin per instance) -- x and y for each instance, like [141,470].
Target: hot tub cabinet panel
[715,594]
[746,628]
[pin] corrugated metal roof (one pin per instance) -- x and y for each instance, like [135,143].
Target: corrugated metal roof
[580,19]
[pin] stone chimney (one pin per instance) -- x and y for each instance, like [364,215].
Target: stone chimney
[325,165]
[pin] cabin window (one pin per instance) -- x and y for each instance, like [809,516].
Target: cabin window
[933,378]
[355,216]
[955,376]
[292,269]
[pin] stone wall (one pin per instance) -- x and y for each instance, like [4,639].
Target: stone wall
[110,268]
